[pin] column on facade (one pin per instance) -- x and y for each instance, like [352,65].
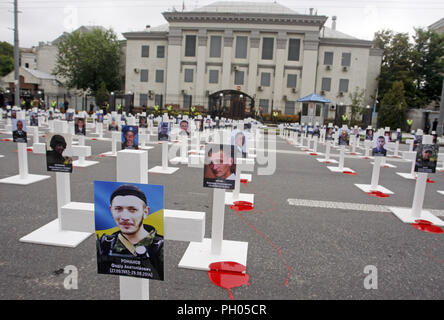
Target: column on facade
[279,71]
[310,59]
[199,92]
[173,66]
[253,59]
[228,52]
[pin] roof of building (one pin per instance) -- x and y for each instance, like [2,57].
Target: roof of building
[80,29]
[40,74]
[438,24]
[327,32]
[313,98]
[231,7]
[244,7]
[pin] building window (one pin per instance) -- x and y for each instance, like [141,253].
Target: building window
[215,46]
[346,59]
[190,46]
[214,76]
[161,51]
[263,103]
[26,65]
[289,107]
[343,85]
[304,111]
[291,80]
[187,99]
[144,75]
[145,51]
[159,76]
[328,58]
[238,78]
[267,48]
[294,47]
[326,84]
[265,79]
[241,47]
[189,75]
[158,100]
[318,110]
[143,99]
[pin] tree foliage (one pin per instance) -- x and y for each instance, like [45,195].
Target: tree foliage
[102,95]
[6,58]
[88,59]
[428,64]
[357,107]
[393,108]
[419,65]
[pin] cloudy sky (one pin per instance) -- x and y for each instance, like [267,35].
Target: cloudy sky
[45,20]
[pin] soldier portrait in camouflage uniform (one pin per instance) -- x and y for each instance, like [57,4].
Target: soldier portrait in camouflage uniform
[131,247]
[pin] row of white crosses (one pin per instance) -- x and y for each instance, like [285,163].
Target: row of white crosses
[407,215]
[75,223]
[75,220]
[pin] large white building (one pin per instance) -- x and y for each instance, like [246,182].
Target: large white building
[233,56]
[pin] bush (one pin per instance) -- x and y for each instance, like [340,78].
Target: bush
[266,117]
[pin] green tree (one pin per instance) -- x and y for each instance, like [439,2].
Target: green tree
[87,59]
[428,64]
[357,107]
[102,95]
[6,58]
[393,108]
[397,64]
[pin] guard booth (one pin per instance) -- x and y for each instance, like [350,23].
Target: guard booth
[314,109]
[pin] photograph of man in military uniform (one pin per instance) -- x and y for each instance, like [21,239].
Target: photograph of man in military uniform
[163,131]
[128,234]
[426,158]
[130,137]
[56,160]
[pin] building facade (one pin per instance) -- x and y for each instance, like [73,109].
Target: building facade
[269,54]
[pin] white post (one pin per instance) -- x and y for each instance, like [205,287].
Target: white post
[315,144]
[354,144]
[81,143]
[35,135]
[418,198]
[410,142]
[133,288]
[115,137]
[375,173]
[22,160]
[367,147]
[63,193]
[236,190]
[341,157]
[421,183]
[327,150]
[100,130]
[396,148]
[217,229]
[183,147]
[164,155]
